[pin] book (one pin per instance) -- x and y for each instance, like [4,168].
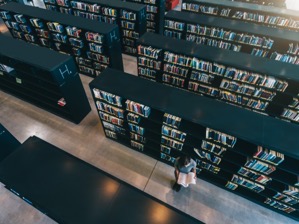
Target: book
[186,179]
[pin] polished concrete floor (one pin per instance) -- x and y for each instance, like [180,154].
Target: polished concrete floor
[203,201]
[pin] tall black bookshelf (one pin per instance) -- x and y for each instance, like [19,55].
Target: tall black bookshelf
[254,39]
[43,176]
[244,152]
[276,3]
[265,15]
[8,143]
[155,11]
[262,85]
[94,45]
[130,17]
[45,78]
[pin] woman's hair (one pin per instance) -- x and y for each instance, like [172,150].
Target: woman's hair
[184,160]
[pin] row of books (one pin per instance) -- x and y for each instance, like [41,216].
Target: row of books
[127,25]
[173,34]
[205,155]
[279,205]
[203,89]
[111,119]
[202,77]
[124,14]
[290,114]
[174,25]
[149,63]
[259,52]
[137,137]
[108,97]
[221,137]
[294,104]
[165,149]
[150,24]
[149,51]
[133,118]
[285,58]
[243,15]
[256,79]
[267,19]
[243,100]
[247,89]
[292,191]
[138,108]
[171,132]
[179,82]
[285,199]
[231,186]
[96,65]
[171,120]
[270,156]
[212,147]
[213,43]
[135,128]
[260,166]
[257,177]
[109,11]
[147,72]
[129,49]
[172,143]
[98,57]
[151,8]
[247,183]
[178,59]
[110,134]
[175,70]
[129,42]
[110,109]
[230,72]
[207,166]
[114,128]
[167,157]
[130,33]
[137,145]
[85,6]
[89,71]
[231,36]
[199,8]
[97,17]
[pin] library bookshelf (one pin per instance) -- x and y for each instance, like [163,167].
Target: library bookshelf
[255,160]
[262,85]
[94,45]
[130,17]
[240,36]
[251,13]
[155,10]
[43,77]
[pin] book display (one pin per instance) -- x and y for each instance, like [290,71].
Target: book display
[234,35]
[50,82]
[254,160]
[94,45]
[264,15]
[261,85]
[155,10]
[130,17]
